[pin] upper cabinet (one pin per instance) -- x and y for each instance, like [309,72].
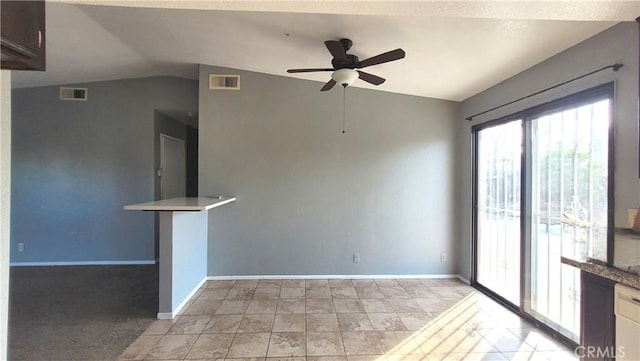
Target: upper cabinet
[22,38]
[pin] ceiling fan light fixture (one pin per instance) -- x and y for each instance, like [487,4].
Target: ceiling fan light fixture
[344,77]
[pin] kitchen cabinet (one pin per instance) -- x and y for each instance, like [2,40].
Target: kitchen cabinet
[627,307]
[22,36]
[597,318]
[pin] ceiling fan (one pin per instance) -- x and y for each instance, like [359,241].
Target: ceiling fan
[345,65]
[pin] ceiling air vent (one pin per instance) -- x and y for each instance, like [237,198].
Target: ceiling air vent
[221,81]
[73,93]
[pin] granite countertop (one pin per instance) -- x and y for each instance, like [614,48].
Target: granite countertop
[193,204]
[612,273]
[626,260]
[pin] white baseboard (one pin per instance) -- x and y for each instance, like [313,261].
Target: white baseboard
[289,277]
[174,313]
[165,316]
[82,263]
[464,280]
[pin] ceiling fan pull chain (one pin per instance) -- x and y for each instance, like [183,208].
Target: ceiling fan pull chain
[344,108]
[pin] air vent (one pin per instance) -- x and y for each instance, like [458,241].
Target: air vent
[73,93]
[221,81]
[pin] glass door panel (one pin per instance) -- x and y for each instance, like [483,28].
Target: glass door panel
[499,151]
[569,203]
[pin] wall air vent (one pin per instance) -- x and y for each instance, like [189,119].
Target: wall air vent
[73,93]
[222,81]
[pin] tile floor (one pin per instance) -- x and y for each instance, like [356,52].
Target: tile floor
[344,320]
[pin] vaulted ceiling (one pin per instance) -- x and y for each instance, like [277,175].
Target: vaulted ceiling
[455,49]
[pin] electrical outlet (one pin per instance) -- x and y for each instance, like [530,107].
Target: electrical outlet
[443,257]
[356,258]
[21,247]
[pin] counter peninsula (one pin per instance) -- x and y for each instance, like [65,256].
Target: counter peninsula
[183,247]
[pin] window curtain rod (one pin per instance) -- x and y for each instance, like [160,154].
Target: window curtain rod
[615,67]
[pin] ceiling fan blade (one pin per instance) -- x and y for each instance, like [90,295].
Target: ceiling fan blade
[382,58]
[336,49]
[308,70]
[370,78]
[328,86]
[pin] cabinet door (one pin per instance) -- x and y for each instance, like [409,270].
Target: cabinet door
[23,38]
[598,320]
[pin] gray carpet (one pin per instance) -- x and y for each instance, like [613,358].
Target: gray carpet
[80,312]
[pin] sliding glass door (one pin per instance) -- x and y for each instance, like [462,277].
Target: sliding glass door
[569,202]
[561,207]
[499,152]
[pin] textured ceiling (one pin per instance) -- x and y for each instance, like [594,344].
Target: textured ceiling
[454,49]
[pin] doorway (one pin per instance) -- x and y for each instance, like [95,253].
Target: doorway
[173,167]
[543,188]
[181,125]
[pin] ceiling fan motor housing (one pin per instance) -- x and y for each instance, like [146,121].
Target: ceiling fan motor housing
[346,44]
[350,62]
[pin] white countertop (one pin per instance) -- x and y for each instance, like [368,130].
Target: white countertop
[181,204]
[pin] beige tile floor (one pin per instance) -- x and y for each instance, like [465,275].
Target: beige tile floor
[344,320]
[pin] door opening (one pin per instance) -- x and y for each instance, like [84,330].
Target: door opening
[173,167]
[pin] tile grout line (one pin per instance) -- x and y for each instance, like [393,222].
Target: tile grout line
[194,343]
[271,334]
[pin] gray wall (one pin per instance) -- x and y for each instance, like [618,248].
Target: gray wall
[76,164]
[616,44]
[309,196]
